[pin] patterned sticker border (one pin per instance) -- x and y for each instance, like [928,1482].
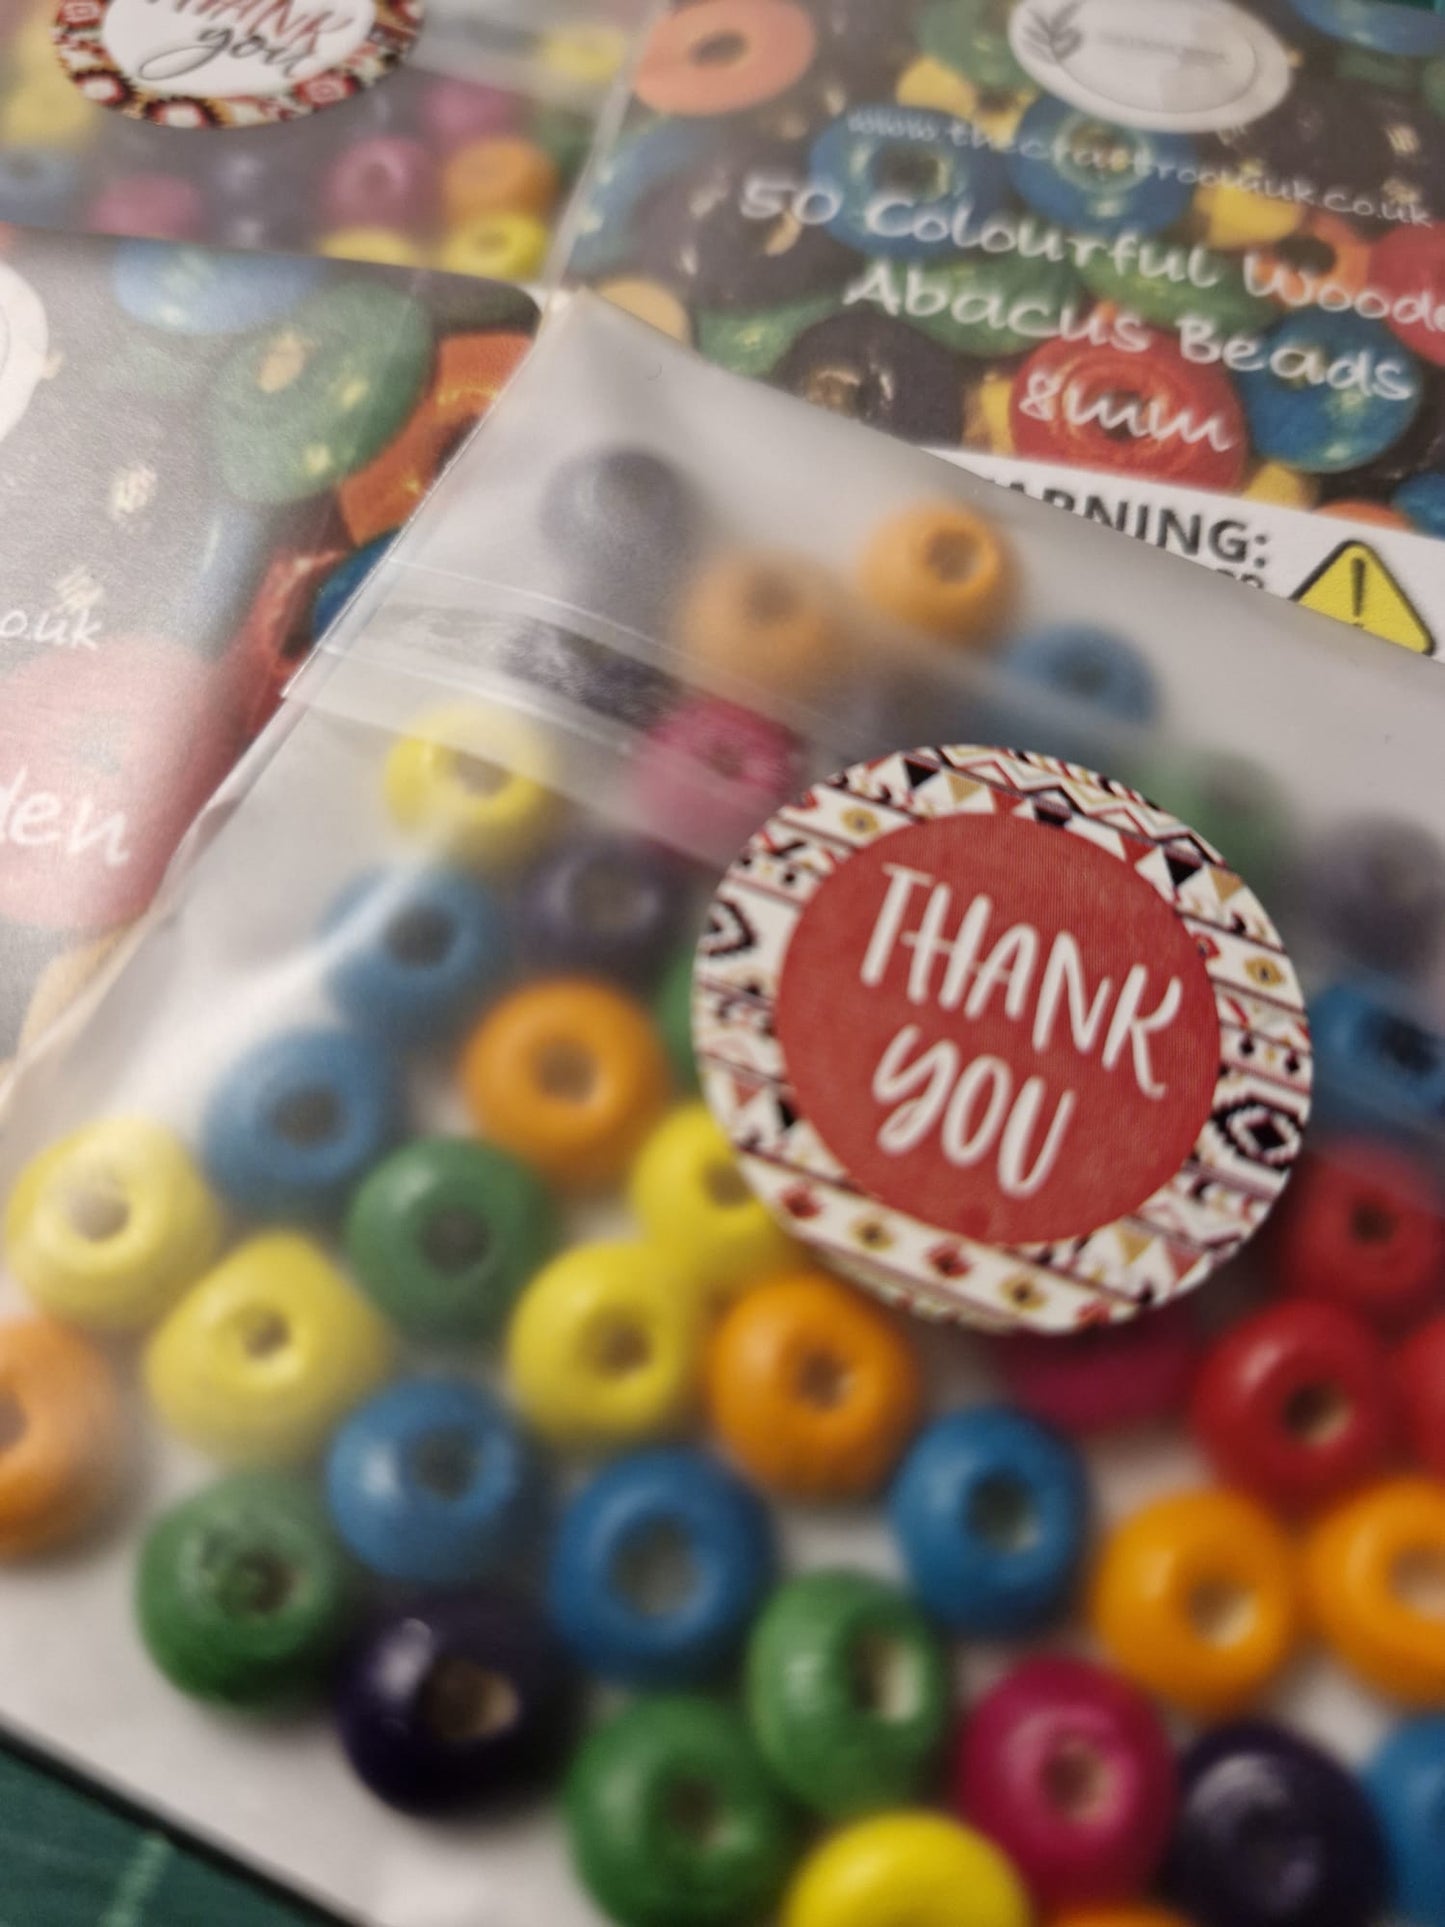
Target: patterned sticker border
[1192,1224]
[78,33]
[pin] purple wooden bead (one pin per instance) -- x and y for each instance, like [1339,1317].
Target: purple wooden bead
[454,112]
[457,1700]
[610,906]
[385,182]
[160,207]
[1272,1832]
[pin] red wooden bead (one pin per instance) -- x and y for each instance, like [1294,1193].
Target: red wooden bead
[1361,1227]
[1294,1404]
[1104,1380]
[162,207]
[1420,1382]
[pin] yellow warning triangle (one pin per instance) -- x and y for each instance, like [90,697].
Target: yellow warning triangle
[1353,585]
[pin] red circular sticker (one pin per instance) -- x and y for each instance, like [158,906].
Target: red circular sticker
[230,63]
[1001,1038]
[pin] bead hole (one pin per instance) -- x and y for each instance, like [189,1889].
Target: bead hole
[1316,1414]
[307,1117]
[1220,1611]
[1306,252]
[693,1809]
[904,170]
[1417,1580]
[655,1571]
[1117,412]
[420,939]
[1271,1851]
[823,1381]
[566,1071]
[255,1585]
[1405,1045]
[454,1240]
[725,1185]
[769,597]
[477,776]
[719,50]
[1076,1781]
[618,1347]
[461,1703]
[13,1423]
[951,555]
[263,1332]
[97,1209]
[882,1680]
[445,1464]
[607,897]
[1001,1513]
[1085,676]
[1372,1223]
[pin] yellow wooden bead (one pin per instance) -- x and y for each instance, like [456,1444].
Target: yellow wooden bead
[991,413]
[30,50]
[262,1357]
[691,1198]
[381,244]
[1239,217]
[906,1867]
[48,110]
[109,1226]
[605,1346]
[927,82]
[471,781]
[590,55]
[649,301]
[1363,1563]
[1273,482]
[502,246]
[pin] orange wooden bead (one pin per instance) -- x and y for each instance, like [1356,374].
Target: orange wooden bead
[771,620]
[569,1076]
[1378,514]
[502,175]
[1325,253]
[1141,1915]
[60,1435]
[1374,1573]
[938,567]
[813,1387]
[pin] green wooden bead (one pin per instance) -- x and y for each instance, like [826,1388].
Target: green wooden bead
[1390,71]
[754,344]
[1433,82]
[673,1011]
[1166,297]
[848,1691]
[972,36]
[1232,804]
[674,1820]
[317,395]
[444,1234]
[242,1592]
[564,134]
[985,293]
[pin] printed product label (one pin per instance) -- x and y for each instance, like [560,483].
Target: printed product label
[1003,1039]
[1187,65]
[230,63]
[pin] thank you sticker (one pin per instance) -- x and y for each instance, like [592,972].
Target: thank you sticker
[230,63]
[1001,1038]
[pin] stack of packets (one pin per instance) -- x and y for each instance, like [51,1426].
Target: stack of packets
[201,454]
[1129,258]
[441,137]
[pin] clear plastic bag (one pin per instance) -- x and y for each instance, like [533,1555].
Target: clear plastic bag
[526,721]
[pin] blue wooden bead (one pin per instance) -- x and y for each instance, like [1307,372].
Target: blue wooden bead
[637,165]
[457,1700]
[1377,1066]
[658,1567]
[1314,424]
[37,185]
[606,906]
[293,1124]
[414,951]
[1422,501]
[1406,1782]
[434,1482]
[990,1510]
[1088,175]
[1086,679]
[1272,1833]
[899,194]
[1386,30]
[1377,891]
[344,581]
[203,291]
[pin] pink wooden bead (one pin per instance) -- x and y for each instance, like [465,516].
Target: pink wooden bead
[714,773]
[455,112]
[384,182]
[159,207]
[1106,1379]
[1069,1770]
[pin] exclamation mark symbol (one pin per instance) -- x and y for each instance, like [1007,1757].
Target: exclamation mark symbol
[1357,591]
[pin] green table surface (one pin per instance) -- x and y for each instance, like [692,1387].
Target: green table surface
[72,1857]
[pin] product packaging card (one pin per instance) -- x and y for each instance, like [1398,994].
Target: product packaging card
[200,456]
[1129,257]
[382,130]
